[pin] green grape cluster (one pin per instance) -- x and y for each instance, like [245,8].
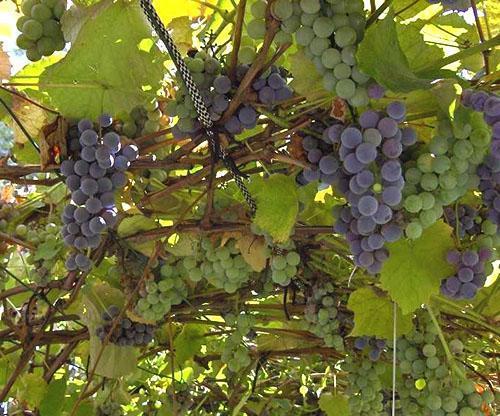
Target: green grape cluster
[160,294]
[444,171]
[204,69]
[143,120]
[365,389]
[322,316]
[430,386]
[40,27]
[328,31]
[110,409]
[48,245]
[284,266]
[235,353]
[7,214]
[222,265]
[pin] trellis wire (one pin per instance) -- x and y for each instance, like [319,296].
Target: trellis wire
[199,104]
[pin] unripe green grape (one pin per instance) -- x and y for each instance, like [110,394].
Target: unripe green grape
[27,5]
[330,58]
[308,20]
[318,46]
[413,175]
[291,25]
[246,54]
[293,258]
[20,22]
[45,46]
[151,126]
[310,6]
[24,43]
[360,98]
[438,145]
[429,181]
[59,9]
[345,88]
[32,29]
[258,9]
[282,9]
[413,230]
[340,20]
[441,164]
[342,71]
[358,76]
[256,29]
[463,149]
[278,262]
[480,137]
[425,162]
[329,81]
[448,181]
[427,199]
[50,3]
[413,204]
[345,36]
[41,12]
[323,27]
[282,38]
[51,28]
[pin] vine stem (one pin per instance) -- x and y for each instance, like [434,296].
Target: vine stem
[481,36]
[238,29]
[449,356]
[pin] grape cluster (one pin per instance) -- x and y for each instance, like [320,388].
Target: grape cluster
[159,295]
[329,33]
[372,180]
[40,27]
[143,120]
[365,386]
[271,87]
[222,265]
[374,346]
[489,105]
[429,386]
[465,219]
[323,317]
[443,171]
[92,178]
[284,266]
[126,332]
[457,5]
[235,353]
[48,236]
[470,275]
[110,409]
[489,185]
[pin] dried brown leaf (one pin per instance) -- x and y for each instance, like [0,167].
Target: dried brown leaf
[53,146]
[5,65]
[254,250]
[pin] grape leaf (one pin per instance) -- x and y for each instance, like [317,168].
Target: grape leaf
[136,224]
[182,33]
[392,70]
[32,117]
[53,402]
[415,269]
[170,9]
[277,205]
[334,405]
[112,66]
[48,250]
[188,343]
[5,65]
[307,81]
[31,388]
[254,251]
[367,304]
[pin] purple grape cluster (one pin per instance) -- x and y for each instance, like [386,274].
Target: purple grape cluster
[127,332]
[374,346]
[272,87]
[372,180]
[470,275]
[321,155]
[92,178]
[489,185]
[457,5]
[489,105]
[469,220]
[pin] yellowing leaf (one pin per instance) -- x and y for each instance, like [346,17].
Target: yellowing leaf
[254,251]
[367,304]
[182,33]
[31,388]
[170,9]
[5,65]
[307,81]
[33,118]
[277,205]
[415,269]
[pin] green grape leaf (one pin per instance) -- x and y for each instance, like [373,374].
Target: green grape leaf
[48,250]
[188,343]
[135,224]
[307,81]
[31,388]
[392,70]
[415,269]
[112,66]
[277,205]
[366,304]
[334,405]
[114,361]
[182,33]
[53,402]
